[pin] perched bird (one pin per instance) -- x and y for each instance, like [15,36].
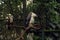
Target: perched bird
[30,18]
[9,20]
[30,24]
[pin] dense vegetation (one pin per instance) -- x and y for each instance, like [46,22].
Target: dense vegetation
[48,12]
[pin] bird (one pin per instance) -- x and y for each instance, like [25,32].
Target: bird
[9,20]
[29,23]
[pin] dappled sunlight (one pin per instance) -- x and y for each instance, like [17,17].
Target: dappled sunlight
[29,19]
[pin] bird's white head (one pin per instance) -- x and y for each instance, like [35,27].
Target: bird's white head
[33,14]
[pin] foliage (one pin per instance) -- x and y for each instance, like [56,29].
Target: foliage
[51,8]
